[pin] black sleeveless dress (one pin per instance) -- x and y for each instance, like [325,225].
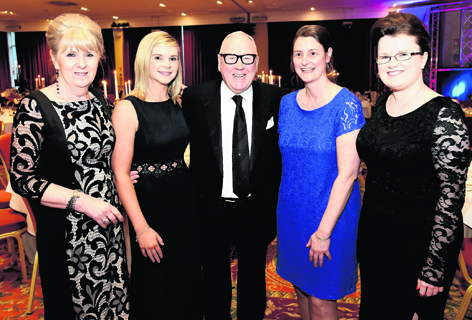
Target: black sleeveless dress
[166,197]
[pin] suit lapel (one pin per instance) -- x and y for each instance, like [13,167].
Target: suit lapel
[212,107]
[260,110]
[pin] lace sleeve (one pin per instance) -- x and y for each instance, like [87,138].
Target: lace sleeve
[25,151]
[451,159]
[351,117]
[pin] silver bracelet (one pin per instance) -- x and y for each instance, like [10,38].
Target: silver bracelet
[322,239]
[147,227]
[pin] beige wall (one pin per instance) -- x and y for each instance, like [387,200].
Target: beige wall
[262,43]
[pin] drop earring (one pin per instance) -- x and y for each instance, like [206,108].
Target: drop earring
[57,82]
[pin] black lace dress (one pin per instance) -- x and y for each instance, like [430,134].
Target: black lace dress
[82,265]
[169,289]
[411,222]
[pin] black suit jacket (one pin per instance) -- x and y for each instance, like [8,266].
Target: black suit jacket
[201,105]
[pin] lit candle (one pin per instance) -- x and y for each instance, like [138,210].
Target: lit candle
[280,80]
[117,96]
[36,86]
[129,86]
[105,89]
[126,89]
[43,84]
[271,79]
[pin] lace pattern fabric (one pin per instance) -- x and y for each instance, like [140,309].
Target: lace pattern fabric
[451,160]
[25,152]
[417,167]
[309,157]
[95,256]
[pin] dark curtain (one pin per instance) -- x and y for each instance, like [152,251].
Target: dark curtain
[5,78]
[353,55]
[33,56]
[201,46]
[106,66]
[132,38]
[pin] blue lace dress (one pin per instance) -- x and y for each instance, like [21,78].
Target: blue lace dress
[309,168]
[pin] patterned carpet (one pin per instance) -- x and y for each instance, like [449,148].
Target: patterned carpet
[281,305]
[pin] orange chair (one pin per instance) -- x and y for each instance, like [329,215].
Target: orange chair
[12,223]
[465,265]
[5,197]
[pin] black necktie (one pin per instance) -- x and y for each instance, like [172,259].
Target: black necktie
[240,151]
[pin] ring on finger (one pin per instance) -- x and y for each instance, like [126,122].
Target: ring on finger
[105,221]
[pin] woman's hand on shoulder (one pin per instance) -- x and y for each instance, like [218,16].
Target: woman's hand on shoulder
[100,211]
[427,290]
[318,249]
[150,242]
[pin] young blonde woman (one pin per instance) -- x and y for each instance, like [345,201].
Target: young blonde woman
[151,139]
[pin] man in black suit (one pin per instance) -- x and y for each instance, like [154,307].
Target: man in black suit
[236,168]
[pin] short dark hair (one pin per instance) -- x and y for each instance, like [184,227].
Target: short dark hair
[399,22]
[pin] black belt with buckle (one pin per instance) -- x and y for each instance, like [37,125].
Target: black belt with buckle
[233,202]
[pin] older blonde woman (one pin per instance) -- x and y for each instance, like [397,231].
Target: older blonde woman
[62,142]
[151,138]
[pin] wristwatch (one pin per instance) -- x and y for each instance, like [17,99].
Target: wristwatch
[71,203]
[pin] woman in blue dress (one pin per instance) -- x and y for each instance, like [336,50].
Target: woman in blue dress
[319,198]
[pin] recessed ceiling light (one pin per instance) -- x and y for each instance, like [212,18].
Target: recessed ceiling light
[312,9]
[84,9]
[115,17]
[394,5]
[250,1]
[162,5]
[183,14]
[219,2]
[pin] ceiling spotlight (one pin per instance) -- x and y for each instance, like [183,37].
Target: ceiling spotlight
[219,2]
[115,17]
[162,5]
[312,9]
[250,1]
[183,14]
[394,5]
[84,9]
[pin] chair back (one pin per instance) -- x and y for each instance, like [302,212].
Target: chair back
[467,255]
[5,142]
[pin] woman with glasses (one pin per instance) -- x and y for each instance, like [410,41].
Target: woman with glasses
[416,148]
[319,198]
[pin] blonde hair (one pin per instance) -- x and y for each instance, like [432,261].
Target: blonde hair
[141,64]
[76,30]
